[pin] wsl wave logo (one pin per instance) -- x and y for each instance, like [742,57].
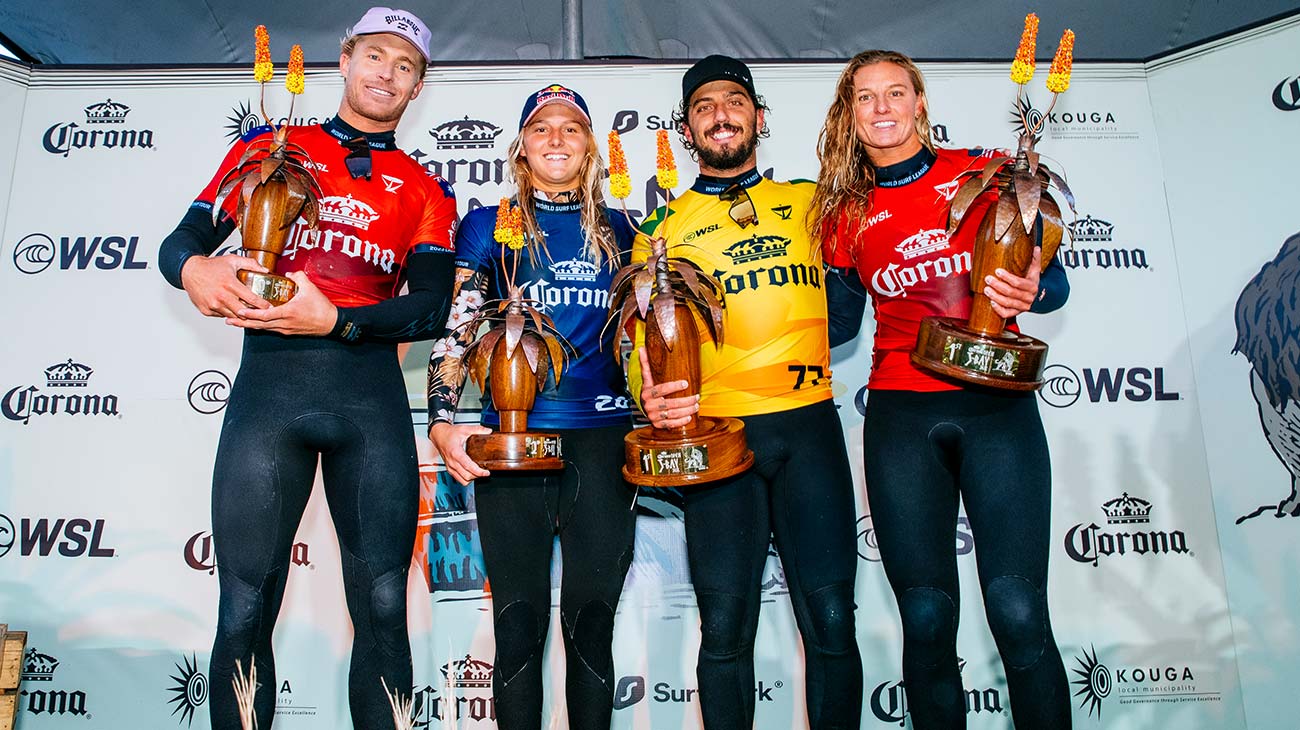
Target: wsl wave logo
[105,129]
[1090,544]
[1094,248]
[68,537]
[1155,682]
[37,252]
[39,668]
[889,700]
[23,402]
[465,693]
[208,392]
[1062,386]
[8,535]
[190,691]
[869,546]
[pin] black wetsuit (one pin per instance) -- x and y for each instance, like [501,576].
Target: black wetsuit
[339,399]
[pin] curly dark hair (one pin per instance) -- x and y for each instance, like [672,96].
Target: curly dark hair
[679,122]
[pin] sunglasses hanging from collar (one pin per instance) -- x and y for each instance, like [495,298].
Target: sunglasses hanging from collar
[358,158]
[742,206]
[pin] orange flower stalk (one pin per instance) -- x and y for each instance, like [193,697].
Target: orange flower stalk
[665,165]
[1022,68]
[263,69]
[620,183]
[502,233]
[295,81]
[1058,78]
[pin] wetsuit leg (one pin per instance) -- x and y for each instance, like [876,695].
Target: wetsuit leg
[369,467]
[727,535]
[516,523]
[597,525]
[912,495]
[813,517]
[1006,486]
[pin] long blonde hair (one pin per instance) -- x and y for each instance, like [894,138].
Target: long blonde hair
[600,245]
[847,175]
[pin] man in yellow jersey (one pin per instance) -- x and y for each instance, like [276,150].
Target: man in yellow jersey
[773,372]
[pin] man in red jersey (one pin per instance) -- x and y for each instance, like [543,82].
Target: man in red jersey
[319,378]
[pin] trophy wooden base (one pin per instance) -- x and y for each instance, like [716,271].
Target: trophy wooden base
[517,451]
[1008,360]
[714,449]
[273,288]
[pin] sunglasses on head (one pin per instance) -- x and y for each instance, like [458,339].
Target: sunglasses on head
[358,158]
[742,206]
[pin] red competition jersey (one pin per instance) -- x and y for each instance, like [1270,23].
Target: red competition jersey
[909,264]
[367,227]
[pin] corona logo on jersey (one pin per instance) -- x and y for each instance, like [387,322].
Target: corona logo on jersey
[46,699]
[104,129]
[1090,544]
[761,248]
[69,380]
[464,694]
[340,216]
[894,280]
[573,285]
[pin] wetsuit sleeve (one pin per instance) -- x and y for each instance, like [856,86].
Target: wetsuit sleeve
[846,302]
[415,315]
[1053,288]
[446,362]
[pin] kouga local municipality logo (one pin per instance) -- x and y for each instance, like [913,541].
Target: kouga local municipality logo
[242,119]
[68,394]
[1149,682]
[1126,533]
[190,691]
[41,696]
[103,127]
[208,391]
[1081,122]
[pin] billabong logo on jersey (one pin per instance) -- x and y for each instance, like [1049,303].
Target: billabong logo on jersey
[948,189]
[895,280]
[924,242]
[575,270]
[392,184]
[348,211]
[465,134]
[757,248]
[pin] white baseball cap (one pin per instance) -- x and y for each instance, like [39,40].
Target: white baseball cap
[401,23]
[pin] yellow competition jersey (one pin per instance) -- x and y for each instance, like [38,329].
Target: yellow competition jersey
[775,354]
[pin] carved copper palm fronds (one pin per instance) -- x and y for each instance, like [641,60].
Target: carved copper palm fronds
[518,323]
[1023,184]
[656,286]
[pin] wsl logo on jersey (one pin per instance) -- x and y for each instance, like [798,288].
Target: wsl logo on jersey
[46,699]
[104,128]
[762,248]
[1126,534]
[1094,248]
[347,214]
[464,696]
[70,383]
[38,252]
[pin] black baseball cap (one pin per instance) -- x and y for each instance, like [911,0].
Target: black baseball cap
[716,68]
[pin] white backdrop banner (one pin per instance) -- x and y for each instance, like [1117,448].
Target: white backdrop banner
[113,390]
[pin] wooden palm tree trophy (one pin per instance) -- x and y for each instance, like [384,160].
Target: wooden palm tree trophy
[982,350]
[670,296]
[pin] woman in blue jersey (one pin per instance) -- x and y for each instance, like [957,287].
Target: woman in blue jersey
[573,247]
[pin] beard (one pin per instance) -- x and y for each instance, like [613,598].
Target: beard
[726,159]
